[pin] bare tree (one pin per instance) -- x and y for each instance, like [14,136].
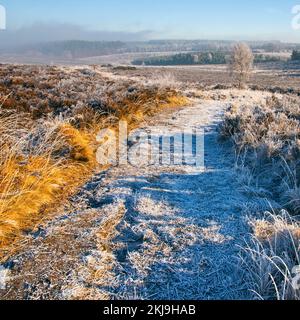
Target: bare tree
[241,63]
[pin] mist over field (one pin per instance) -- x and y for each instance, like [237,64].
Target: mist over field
[43,32]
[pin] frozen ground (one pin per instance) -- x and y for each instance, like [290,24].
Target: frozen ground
[188,224]
[158,232]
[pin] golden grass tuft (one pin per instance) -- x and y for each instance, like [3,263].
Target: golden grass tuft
[80,143]
[31,186]
[175,101]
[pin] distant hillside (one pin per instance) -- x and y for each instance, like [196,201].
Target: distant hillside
[73,48]
[191,51]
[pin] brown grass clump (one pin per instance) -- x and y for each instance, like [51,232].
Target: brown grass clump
[49,119]
[266,137]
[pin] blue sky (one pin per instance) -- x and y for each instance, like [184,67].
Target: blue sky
[190,19]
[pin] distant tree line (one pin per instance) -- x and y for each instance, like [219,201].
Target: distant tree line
[296,55]
[204,58]
[184,59]
[260,58]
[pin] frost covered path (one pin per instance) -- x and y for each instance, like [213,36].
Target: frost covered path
[180,233]
[162,232]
